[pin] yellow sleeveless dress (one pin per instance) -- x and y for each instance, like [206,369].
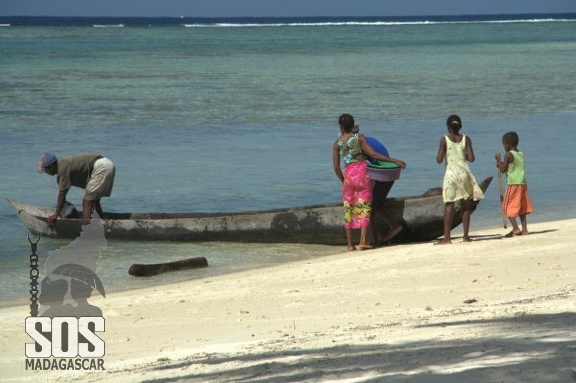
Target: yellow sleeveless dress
[459,182]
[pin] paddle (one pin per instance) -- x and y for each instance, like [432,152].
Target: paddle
[501,199]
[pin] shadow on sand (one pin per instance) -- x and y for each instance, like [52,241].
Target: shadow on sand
[536,348]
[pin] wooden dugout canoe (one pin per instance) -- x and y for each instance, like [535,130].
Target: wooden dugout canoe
[421,217]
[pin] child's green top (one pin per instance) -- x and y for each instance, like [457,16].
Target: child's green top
[516,174]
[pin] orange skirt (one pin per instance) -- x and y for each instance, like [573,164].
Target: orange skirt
[516,201]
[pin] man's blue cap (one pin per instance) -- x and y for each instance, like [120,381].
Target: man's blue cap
[46,160]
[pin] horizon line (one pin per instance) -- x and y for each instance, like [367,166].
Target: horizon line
[300,17]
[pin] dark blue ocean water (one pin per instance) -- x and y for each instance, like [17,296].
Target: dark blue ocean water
[240,114]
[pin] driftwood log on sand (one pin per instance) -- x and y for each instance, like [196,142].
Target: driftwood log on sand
[142,270]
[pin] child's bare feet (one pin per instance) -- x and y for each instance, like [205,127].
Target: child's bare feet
[467,239]
[444,242]
[513,233]
[525,232]
[351,248]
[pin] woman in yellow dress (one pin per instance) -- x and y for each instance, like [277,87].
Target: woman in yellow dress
[459,183]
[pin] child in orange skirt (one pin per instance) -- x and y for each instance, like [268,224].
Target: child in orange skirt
[516,201]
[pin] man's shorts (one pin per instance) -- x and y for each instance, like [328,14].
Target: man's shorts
[101,180]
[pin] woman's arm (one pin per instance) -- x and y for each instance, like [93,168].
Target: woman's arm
[469,150]
[336,161]
[441,151]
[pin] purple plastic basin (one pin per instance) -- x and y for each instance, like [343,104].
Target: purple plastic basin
[384,174]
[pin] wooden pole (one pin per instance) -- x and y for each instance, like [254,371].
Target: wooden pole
[140,270]
[501,199]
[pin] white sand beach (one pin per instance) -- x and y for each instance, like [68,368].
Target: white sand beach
[493,310]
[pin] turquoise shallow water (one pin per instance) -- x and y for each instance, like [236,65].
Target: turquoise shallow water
[232,118]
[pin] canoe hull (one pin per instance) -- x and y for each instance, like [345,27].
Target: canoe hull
[422,218]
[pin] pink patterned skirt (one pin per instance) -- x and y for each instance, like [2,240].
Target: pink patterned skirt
[357,196]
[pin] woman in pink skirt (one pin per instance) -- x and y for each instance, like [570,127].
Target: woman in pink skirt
[351,148]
